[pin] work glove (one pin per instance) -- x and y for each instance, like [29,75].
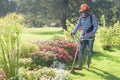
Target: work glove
[93,35]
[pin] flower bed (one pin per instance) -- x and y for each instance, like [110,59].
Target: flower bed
[41,74]
[43,58]
[63,50]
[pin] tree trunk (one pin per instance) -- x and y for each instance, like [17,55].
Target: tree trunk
[63,22]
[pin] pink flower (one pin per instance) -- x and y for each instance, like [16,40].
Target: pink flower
[66,60]
[60,55]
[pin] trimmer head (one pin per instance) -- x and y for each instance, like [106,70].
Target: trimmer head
[75,68]
[72,71]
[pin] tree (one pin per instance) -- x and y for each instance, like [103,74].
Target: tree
[115,10]
[65,9]
[34,10]
[52,9]
[7,6]
[37,11]
[3,7]
[108,8]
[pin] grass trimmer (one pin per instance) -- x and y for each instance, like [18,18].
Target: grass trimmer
[76,53]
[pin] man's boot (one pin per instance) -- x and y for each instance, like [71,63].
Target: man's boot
[80,57]
[88,61]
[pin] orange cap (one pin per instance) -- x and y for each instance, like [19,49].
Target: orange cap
[84,7]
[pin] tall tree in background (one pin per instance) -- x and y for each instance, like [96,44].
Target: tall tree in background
[66,9]
[3,7]
[108,8]
[7,6]
[116,10]
[53,9]
[38,10]
[34,10]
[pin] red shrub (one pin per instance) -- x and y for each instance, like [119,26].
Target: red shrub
[63,49]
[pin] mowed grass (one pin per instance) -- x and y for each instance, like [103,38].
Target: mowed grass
[105,64]
[36,34]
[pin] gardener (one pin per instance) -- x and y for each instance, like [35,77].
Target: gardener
[88,25]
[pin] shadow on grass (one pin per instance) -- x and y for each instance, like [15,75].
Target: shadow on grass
[78,73]
[46,33]
[100,56]
[106,75]
[111,50]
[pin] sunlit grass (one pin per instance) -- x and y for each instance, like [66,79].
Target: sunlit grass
[105,66]
[35,34]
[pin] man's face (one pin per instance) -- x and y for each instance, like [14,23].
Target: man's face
[85,13]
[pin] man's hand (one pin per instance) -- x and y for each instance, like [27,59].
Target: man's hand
[93,34]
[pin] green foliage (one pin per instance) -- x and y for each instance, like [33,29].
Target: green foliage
[109,36]
[17,77]
[7,6]
[10,29]
[43,58]
[60,10]
[11,24]
[41,74]
[70,29]
[44,74]
[103,21]
[26,49]
[25,62]
[116,34]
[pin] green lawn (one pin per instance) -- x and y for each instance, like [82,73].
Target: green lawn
[105,64]
[35,34]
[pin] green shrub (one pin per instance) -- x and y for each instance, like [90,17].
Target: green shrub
[70,29]
[26,49]
[46,73]
[116,34]
[17,77]
[25,62]
[104,37]
[109,36]
[43,58]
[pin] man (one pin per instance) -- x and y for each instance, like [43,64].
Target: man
[88,25]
